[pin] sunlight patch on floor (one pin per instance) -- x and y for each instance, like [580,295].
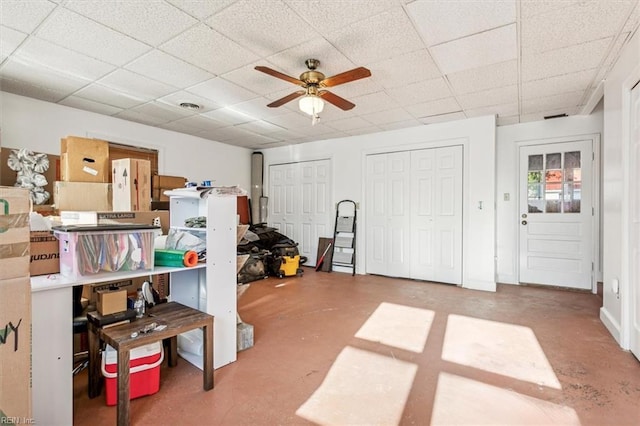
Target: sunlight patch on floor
[506,349]
[400,326]
[361,388]
[462,401]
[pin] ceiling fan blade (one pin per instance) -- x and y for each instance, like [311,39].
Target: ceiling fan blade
[336,100]
[279,75]
[346,77]
[286,99]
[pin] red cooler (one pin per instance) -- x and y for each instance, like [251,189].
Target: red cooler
[144,372]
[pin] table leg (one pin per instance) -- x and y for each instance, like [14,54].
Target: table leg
[95,377]
[207,356]
[122,382]
[173,351]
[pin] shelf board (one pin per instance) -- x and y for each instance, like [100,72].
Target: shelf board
[53,281]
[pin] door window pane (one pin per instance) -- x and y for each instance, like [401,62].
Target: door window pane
[535,162]
[554,161]
[553,190]
[572,197]
[534,198]
[573,182]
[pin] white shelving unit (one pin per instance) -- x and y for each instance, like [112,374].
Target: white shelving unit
[211,289]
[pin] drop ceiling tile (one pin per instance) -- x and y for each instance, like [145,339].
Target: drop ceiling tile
[503,110]
[484,78]
[83,35]
[559,84]
[579,23]
[106,95]
[564,61]
[329,16]
[262,26]
[612,56]
[404,69]
[363,131]
[388,116]
[427,109]
[208,49]
[291,120]
[201,9]
[162,111]
[135,84]
[10,39]
[199,122]
[152,24]
[25,89]
[24,16]
[505,121]
[260,127]
[377,38]
[258,108]
[441,118]
[224,133]
[139,117]
[633,21]
[176,98]
[20,69]
[222,92]
[176,126]
[420,92]
[285,135]
[229,115]
[568,100]
[441,21]
[87,105]
[168,69]
[257,81]
[357,88]
[400,124]
[63,60]
[478,50]
[350,123]
[316,131]
[373,102]
[533,8]
[497,96]
[292,60]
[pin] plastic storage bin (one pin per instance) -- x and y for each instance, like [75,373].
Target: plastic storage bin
[144,371]
[90,252]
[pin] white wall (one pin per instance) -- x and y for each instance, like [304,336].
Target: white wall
[38,126]
[616,191]
[348,158]
[507,212]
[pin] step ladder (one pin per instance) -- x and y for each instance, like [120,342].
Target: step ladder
[344,237]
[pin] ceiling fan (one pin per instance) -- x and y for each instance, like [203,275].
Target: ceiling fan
[314,83]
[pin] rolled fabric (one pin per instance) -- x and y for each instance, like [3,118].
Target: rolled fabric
[164,257]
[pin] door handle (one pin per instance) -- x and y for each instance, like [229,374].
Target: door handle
[524,222]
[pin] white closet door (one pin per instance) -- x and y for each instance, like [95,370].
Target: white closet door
[316,214]
[388,201]
[414,214]
[284,192]
[300,203]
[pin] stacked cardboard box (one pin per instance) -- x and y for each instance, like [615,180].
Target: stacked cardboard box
[15,305]
[131,185]
[84,174]
[163,183]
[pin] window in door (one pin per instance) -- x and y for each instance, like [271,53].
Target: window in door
[554,182]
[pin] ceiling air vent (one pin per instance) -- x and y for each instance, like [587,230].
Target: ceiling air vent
[549,117]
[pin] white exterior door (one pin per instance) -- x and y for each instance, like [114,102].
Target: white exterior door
[299,203]
[556,214]
[634,282]
[414,214]
[436,214]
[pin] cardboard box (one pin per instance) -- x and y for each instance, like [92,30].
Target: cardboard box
[131,184]
[45,254]
[84,160]
[15,347]
[163,183]
[104,218]
[90,291]
[15,206]
[111,301]
[82,196]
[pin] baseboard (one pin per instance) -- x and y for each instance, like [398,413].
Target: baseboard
[612,325]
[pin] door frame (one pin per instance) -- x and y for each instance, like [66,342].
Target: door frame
[596,252]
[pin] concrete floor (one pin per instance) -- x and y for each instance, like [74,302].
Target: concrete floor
[336,349]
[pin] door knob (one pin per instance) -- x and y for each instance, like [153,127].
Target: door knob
[524,222]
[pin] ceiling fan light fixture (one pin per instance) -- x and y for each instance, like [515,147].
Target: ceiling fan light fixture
[311,105]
